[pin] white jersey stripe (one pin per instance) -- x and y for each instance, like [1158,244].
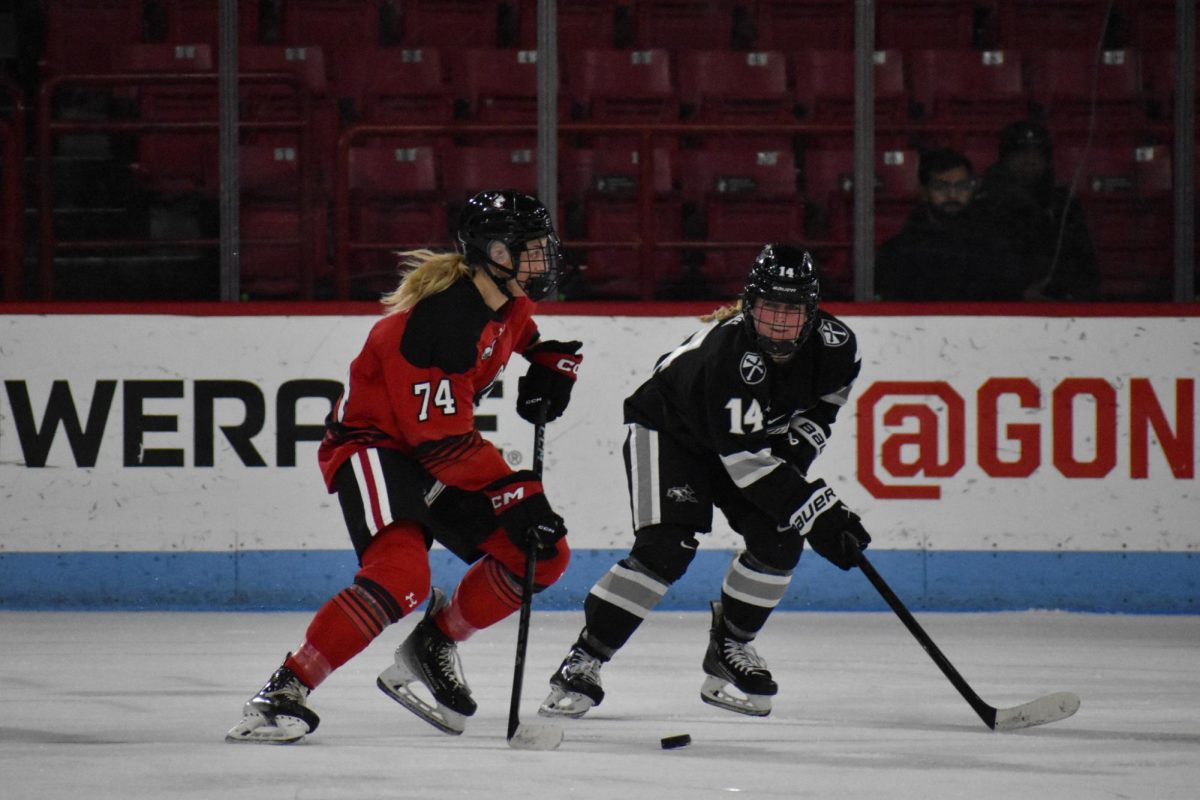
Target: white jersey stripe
[365,493]
[746,468]
[385,504]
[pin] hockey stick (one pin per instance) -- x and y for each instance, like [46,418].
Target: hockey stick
[1050,708]
[521,736]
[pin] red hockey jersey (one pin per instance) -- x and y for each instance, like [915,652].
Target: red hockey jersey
[415,384]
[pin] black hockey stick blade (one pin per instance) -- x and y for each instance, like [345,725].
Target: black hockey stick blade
[1050,708]
[523,736]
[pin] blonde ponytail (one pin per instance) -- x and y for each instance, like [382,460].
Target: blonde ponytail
[723,313]
[425,273]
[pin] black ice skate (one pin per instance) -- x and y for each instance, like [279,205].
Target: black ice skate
[427,657]
[575,687]
[277,714]
[730,660]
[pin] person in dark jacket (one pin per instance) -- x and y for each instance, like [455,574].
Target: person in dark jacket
[1040,217]
[945,251]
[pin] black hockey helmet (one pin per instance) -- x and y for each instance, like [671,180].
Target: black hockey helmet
[514,219]
[781,274]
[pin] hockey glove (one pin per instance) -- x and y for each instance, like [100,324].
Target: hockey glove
[522,510]
[834,531]
[549,381]
[803,442]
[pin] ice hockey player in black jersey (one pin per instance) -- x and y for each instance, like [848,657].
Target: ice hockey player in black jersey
[733,418]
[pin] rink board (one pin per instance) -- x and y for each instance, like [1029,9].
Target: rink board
[1001,460]
[290,580]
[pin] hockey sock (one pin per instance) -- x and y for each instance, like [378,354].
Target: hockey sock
[487,593]
[393,580]
[749,594]
[341,628]
[617,604]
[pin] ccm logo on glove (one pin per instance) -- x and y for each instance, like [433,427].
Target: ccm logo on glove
[544,391]
[510,495]
[802,520]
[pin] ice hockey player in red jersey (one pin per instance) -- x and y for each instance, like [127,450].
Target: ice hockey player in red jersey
[733,418]
[409,466]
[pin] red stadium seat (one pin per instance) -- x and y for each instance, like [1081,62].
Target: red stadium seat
[471,169]
[969,85]
[622,85]
[823,82]
[271,101]
[612,215]
[497,85]
[1125,192]
[281,231]
[896,188]
[85,36]
[198,21]
[396,85]
[458,23]
[728,86]
[1037,24]
[684,24]
[802,25]
[335,26]
[581,24]
[912,24]
[748,197]
[1062,84]
[393,205]
[170,161]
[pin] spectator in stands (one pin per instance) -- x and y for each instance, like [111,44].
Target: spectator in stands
[1039,217]
[944,252]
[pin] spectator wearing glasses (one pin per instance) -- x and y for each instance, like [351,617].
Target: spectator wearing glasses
[1040,217]
[945,251]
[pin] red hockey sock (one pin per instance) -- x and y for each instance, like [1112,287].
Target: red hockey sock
[393,580]
[486,594]
[347,623]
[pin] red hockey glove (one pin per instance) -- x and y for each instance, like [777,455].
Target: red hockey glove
[547,384]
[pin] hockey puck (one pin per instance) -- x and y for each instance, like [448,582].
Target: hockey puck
[674,742]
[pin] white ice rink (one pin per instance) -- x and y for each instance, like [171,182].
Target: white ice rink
[135,705]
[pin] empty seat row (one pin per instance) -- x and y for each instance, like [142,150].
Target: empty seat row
[76,27]
[429,85]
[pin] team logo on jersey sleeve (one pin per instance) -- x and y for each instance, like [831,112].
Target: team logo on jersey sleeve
[834,333]
[752,368]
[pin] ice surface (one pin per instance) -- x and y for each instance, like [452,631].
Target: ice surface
[136,705]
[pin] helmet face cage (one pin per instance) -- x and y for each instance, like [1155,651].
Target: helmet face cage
[523,225]
[786,275]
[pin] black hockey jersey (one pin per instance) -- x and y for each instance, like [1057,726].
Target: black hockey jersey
[716,393]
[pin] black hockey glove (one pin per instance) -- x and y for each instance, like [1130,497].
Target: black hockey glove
[522,510]
[801,444]
[834,531]
[547,384]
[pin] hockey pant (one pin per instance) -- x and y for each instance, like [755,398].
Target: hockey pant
[394,579]
[673,491]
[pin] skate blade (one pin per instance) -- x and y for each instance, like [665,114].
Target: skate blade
[715,693]
[561,703]
[439,716]
[255,729]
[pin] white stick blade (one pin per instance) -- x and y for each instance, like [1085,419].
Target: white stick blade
[536,737]
[1050,708]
